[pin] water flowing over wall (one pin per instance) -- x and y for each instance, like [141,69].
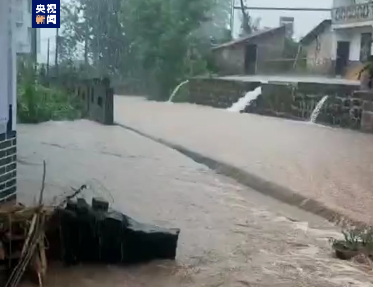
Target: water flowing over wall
[342,108]
[218,93]
[345,106]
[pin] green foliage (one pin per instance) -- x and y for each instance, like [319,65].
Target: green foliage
[37,103]
[249,24]
[356,239]
[158,42]
[165,34]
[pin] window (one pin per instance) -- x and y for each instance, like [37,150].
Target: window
[365,46]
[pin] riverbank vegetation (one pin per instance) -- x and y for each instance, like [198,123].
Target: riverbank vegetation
[150,45]
[357,245]
[38,103]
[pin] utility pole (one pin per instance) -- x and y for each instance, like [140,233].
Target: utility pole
[232,17]
[86,47]
[246,28]
[48,52]
[56,54]
[34,46]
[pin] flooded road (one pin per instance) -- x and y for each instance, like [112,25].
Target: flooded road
[230,235]
[333,166]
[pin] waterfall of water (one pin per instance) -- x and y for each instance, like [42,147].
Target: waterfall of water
[245,100]
[174,92]
[315,113]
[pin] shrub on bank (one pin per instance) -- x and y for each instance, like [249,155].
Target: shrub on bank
[356,241]
[37,103]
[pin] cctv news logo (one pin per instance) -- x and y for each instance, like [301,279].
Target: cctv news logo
[46,13]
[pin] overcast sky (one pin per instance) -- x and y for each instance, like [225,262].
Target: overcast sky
[303,22]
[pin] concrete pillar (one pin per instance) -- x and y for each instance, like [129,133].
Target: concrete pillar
[8,103]
[12,65]
[4,65]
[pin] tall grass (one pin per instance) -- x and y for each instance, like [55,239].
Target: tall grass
[37,103]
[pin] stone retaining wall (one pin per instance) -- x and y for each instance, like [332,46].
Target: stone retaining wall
[342,108]
[218,93]
[367,110]
[345,106]
[96,95]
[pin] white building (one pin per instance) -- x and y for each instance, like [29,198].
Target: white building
[352,25]
[23,28]
[8,103]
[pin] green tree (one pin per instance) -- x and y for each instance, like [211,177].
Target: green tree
[165,34]
[216,27]
[249,25]
[92,30]
[160,42]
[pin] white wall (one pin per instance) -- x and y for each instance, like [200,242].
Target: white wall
[352,35]
[4,49]
[22,18]
[319,52]
[12,70]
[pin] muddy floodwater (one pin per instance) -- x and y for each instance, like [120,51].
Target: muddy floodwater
[230,235]
[333,166]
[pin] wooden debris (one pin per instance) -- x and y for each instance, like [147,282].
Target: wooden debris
[15,221]
[22,236]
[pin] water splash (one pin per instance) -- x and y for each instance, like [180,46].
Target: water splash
[174,92]
[245,100]
[315,113]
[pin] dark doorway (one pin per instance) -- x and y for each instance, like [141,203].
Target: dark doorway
[343,52]
[250,59]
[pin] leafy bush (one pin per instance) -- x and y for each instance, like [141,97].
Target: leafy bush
[356,241]
[36,103]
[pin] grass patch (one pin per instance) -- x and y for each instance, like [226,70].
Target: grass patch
[37,103]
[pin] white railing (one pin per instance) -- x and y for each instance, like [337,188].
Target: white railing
[353,13]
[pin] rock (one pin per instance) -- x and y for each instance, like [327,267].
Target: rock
[111,237]
[362,258]
[146,242]
[100,204]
